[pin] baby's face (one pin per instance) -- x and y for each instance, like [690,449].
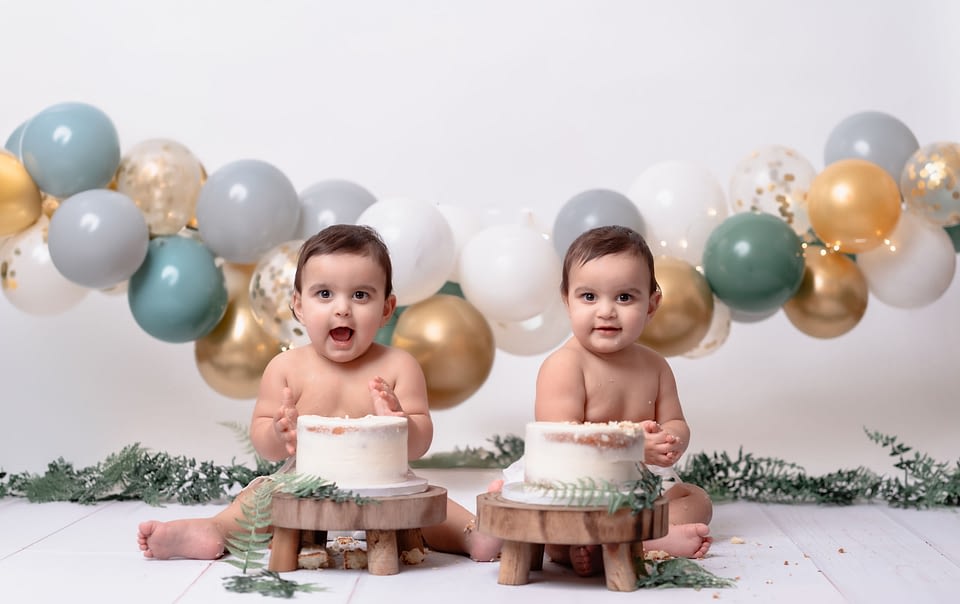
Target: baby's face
[610,302]
[342,304]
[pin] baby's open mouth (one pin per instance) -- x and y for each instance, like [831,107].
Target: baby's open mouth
[341,334]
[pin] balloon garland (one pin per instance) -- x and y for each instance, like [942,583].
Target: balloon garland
[882,219]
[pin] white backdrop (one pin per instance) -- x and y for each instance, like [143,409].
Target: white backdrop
[511,108]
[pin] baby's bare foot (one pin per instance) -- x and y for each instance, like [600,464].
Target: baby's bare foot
[496,486]
[586,560]
[481,547]
[683,541]
[196,538]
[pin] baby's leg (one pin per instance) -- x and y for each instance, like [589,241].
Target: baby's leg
[585,560]
[196,538]
[458,535]
[689,511]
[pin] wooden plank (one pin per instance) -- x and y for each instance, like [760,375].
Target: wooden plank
[939,528]
[766,564]
[868,556]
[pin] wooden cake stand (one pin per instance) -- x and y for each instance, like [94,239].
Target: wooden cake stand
[386,520]
[525,528]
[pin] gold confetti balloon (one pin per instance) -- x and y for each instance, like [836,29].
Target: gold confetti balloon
[453,344]
[164,178]
[20,201]
[833,295]
[853,204]
[271,294]
[930,183]
[686,308]
[232,357]
[774,179]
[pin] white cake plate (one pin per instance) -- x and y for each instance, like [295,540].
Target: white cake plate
[523,493]
[413,484]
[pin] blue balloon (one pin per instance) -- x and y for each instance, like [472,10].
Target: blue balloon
[13,141]
[178,294]
[874,136]
[69,148]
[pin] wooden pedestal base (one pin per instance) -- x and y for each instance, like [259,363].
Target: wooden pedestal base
[525,528]
[385,520]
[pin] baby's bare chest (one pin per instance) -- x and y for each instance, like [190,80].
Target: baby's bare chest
[620,394]
[333,396]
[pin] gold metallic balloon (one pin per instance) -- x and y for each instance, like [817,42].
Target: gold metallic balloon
[453,344]
[853,205]
[164,178]
[232,357]
[19,196]
[685,312]
[832,297]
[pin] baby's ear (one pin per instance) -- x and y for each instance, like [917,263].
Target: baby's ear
[655,298]
[296,306]
[389,305]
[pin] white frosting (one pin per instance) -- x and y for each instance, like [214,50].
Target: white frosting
[565,452]
[353,452]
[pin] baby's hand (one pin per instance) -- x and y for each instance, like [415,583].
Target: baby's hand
[385,401]
[285,421]
[660,447]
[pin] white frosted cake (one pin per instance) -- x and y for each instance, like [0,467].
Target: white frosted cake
[566,452]
[366,451]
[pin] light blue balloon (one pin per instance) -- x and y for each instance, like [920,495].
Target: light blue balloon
[590,209]
[98,238]
[70,147]
[245,209]
[874,136]
[13,141]
[331,202]
[178,294]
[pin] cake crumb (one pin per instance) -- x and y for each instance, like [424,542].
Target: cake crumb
[715,596]
[841,551]
[657,554]
[786,563]
[737,540]
[412,557]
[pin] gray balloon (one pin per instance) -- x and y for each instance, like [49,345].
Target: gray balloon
[98,238]
[245,209]
[743,316]
[874,136]
[331,202]
[590,209]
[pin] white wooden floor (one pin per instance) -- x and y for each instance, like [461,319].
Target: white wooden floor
[61,552]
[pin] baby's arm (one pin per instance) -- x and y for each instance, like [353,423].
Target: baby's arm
[667,437]
[561,395]
[410,387]
[273,429]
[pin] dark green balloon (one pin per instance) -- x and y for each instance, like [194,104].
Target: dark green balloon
[753,262]
[954,232]
[385,334]
[451,288]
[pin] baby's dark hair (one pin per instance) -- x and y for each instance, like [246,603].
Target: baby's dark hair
[603,241]
[346,239]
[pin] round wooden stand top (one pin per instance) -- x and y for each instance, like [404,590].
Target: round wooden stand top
[572,525]
[385,513]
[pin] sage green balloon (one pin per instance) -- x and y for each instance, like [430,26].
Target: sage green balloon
[753,262]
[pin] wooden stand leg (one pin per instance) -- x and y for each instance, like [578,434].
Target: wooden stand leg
[285,549]
[382,555]
[618,567]
[536,549]
[410,546]
[515,562]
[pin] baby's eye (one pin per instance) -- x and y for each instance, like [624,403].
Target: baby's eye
[624,298]
[324,293]
[360,295]
[588,297]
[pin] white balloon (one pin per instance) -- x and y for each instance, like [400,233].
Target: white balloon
[31,282]
[774,179]
[681,204]
[913,266]
[537,335]
[509,272]
[464,224]
[716,334]
[420,242]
